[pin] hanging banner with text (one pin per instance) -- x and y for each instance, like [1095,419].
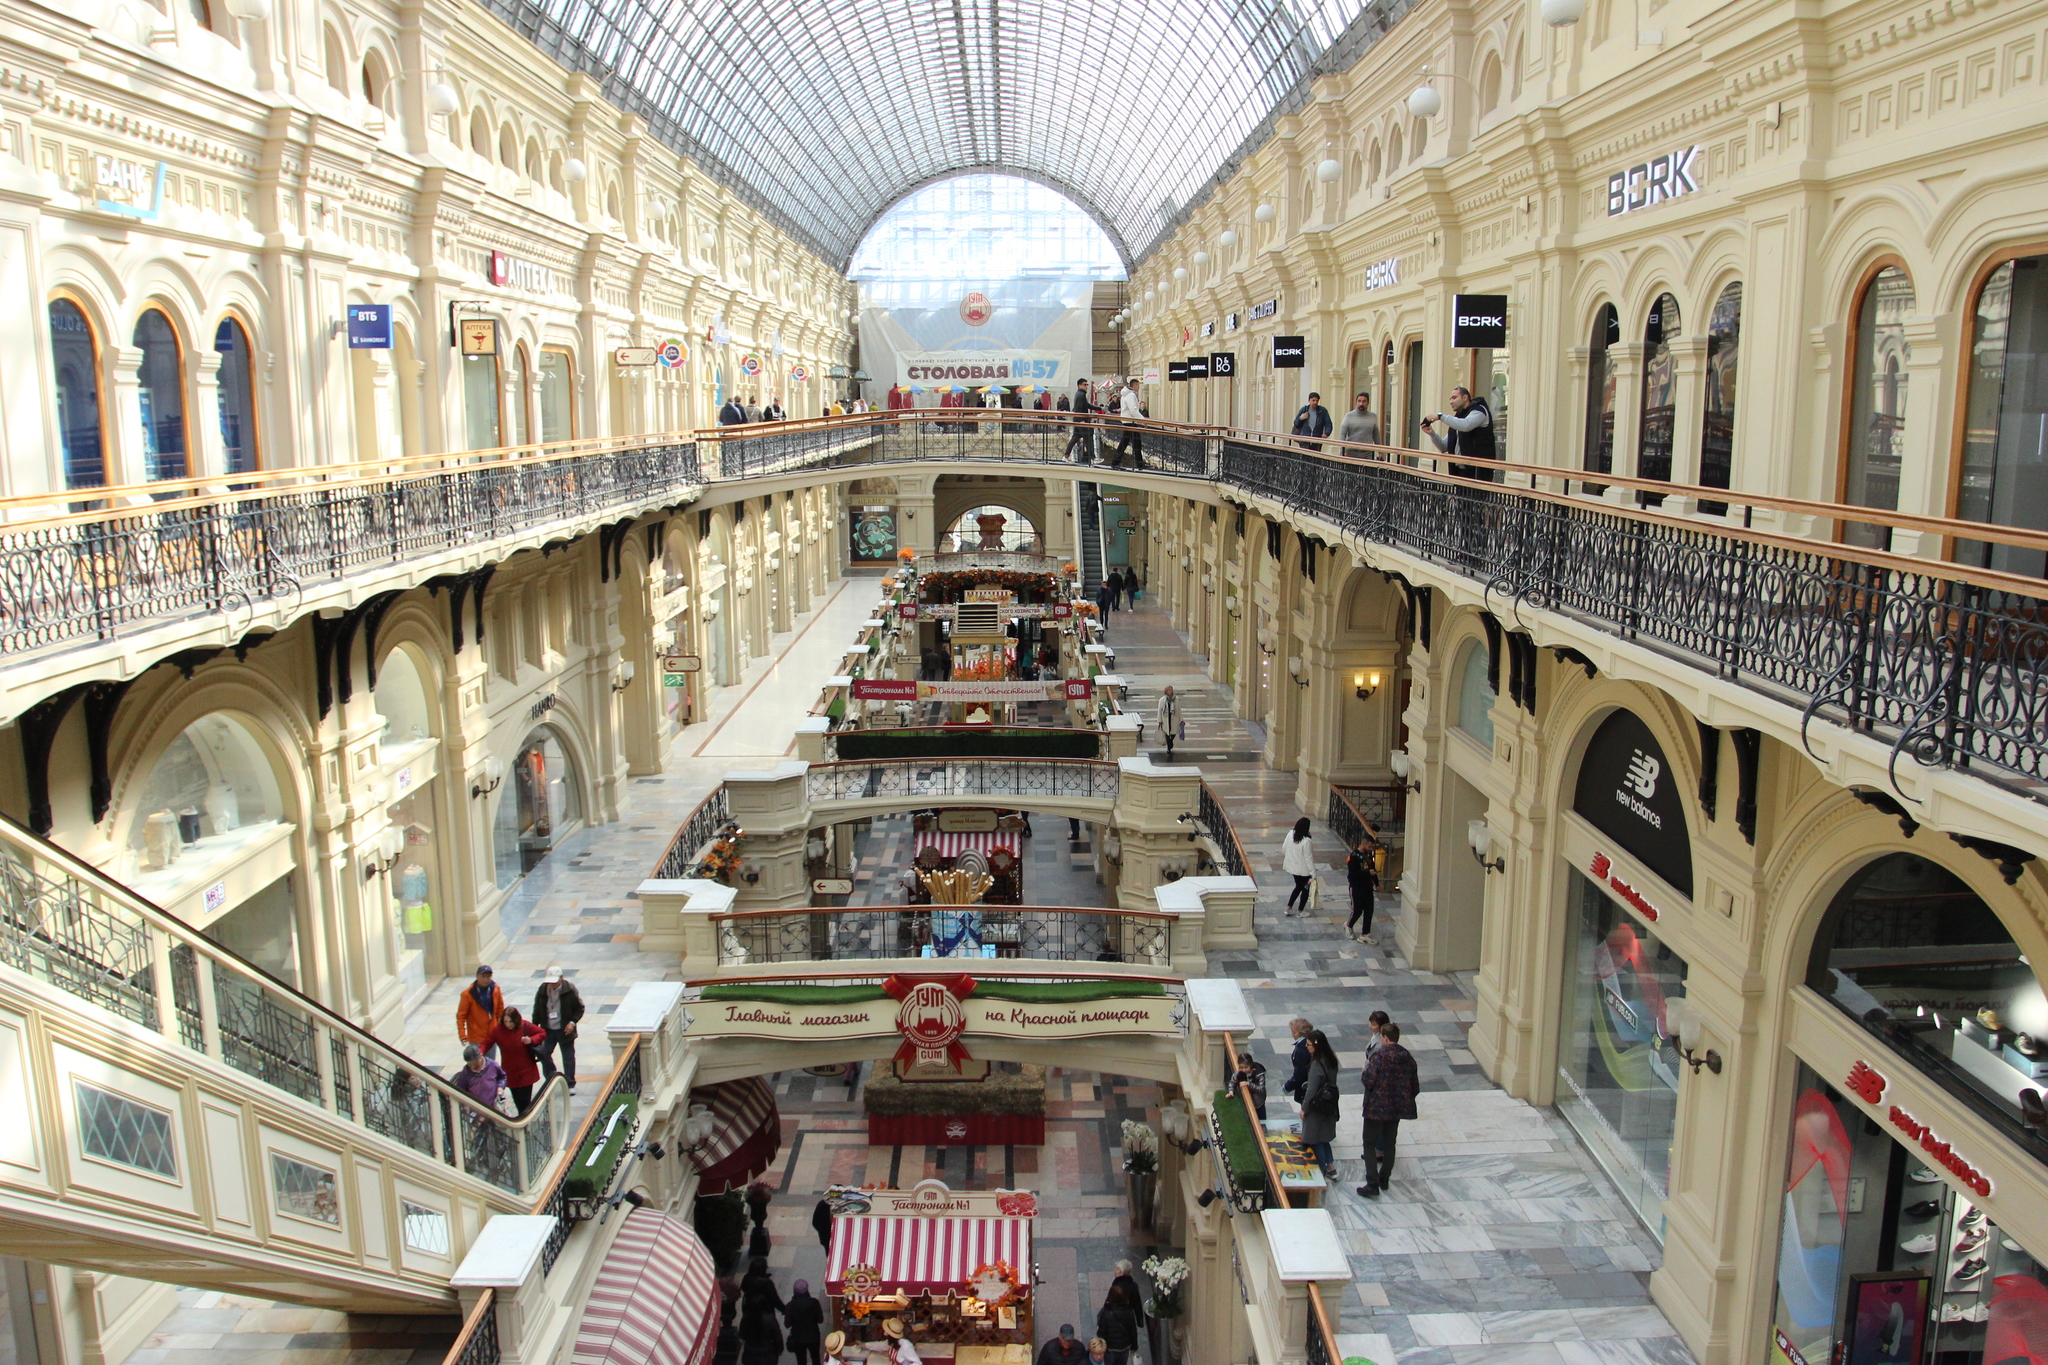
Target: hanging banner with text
[969,1017]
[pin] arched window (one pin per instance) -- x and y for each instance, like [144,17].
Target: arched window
[333,58]
[541,803]
[1418,140]
[516,399]
[480,401]
[479,134]
[1660,390]
[1599,452]
[533,163]
[162,384]
[1877,403]
[611,202]
[237,397]
[508,148]
[201,12]
[1489,84]
[1717,434]
[555,181]
[377,82]
[2004,476]
[1372,165]
[75,359]
[1393,151]
[557,395]
[1476,694]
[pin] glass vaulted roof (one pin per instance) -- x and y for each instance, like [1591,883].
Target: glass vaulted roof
[823,113]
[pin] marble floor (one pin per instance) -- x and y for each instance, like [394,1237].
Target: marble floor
[1500,1242]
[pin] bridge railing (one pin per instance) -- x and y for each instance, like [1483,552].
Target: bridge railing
[936,779]
[856,933]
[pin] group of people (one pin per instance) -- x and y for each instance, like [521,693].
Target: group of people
[506,1052]
[769,1324]
[1120,590]
[1467,428]
[1119,1328]
[1361,873]
[738,412]
[1390,1083]
[1085,405]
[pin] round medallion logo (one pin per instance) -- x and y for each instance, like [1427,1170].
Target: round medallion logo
[955,1129]
[976,309]
[930,1017]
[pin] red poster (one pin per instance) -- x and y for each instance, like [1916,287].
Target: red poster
[1079,689]
[884,689]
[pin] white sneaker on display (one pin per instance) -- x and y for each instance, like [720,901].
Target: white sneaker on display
[1919,1246]
[1923,1176]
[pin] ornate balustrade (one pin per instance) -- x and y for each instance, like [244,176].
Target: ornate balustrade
[1025,780]
[856,933]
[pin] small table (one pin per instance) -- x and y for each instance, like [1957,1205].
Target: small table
[1301,1179]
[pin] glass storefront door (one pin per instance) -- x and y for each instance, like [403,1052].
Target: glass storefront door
[1618,1066]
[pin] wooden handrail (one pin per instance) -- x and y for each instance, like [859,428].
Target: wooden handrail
[1321,1323]
[590,1119]
[1251,1112]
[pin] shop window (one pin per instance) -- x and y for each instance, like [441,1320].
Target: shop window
[162,384]
[1908,949]
[1619,1067]
[1627,790]
[1599,449]
[1411,385]
[1660,392]
[2005,453]
[1476,694]
[557,395]
[1877,403]
[517,399]
[237,392]
[75,359]
[480,401]
[1880,1259]
[212,781]
[541,802]
[1717,432]
[401,700]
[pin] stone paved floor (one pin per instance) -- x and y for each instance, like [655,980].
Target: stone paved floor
[211,1328]
[1499,1243]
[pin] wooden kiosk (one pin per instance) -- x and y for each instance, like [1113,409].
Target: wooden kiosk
[954,1265]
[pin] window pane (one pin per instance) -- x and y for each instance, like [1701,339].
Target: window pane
[556,397]
[237,398]
[2005,443]
[115,1128]
[480,401]
[162,379]
[1877,404]
[75,358]
[1660,389]
[1475,696]
[1717,435]
[1599,450]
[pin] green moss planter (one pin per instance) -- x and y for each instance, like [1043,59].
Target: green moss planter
[587,1179]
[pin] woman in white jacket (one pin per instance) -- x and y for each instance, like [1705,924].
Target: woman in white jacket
[1297,859]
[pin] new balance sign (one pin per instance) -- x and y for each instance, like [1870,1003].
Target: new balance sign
[1479,320]
[1652,182]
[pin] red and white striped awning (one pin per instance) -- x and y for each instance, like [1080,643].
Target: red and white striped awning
[655,1300]
[925,1255]
[748,1137]
[953,845]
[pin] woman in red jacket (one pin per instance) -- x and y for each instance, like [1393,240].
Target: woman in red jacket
[516,1038]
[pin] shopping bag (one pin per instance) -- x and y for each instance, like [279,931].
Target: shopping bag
[1315,893]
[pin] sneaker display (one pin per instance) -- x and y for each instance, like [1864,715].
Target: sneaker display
[1981,1313]
[1972,1218]
[1970,1241]
[1926,1208]
[1951,1312]
[1923,1176]
[2010,1245]
[1919,1246]
[1972,1269]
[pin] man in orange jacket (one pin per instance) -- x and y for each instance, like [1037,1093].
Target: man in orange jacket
[478,1010]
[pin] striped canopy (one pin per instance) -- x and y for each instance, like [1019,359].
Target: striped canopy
[655,1300]
[953,845]
[926,1255]
[748,1137]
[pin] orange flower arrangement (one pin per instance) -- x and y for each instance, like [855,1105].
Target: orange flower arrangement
[906,554]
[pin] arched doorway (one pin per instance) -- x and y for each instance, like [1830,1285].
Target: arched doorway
[541,803]
[420,896]
[993,526]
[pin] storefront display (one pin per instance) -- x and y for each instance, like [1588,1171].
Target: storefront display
[1619,1068]
[1882,1261]
[954,1268]
[541,804]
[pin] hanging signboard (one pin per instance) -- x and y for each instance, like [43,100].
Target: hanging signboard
[1627,791]
[672,353]
[478,336]
[1198,367]
[369,327]
[1078,689]
[912,1007]
[884,689]
[800,374]
[1290,353]
[967,821]
[832,886]
[1479,321]
[633,357]
[1176,371]
[1223,364]
[677,668]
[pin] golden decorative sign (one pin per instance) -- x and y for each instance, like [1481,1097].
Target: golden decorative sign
[479,336]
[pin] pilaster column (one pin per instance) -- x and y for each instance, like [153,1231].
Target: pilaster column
[207,453]
[1923,487]
[1689,368]
[1625,361]
[125,461]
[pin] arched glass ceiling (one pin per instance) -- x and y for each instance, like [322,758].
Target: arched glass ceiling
[823,114]
[985,227]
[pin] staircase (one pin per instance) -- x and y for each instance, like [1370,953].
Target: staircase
[175,1114]
[1092,557]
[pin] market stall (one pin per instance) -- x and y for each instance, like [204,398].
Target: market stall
[954,1266]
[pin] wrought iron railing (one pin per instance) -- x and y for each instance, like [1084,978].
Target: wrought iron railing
[1321,1346]
[696,832]
[554,1203]
[857,933]
[477,1344]
[64,924]
[101,574]
[933,779]
[1359,814]
[1219,829]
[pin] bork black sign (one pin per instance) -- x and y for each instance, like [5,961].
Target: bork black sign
[1176,371]
[1223,364]
[1290,353]
[1628,792]
[1479,321]
[1198,367]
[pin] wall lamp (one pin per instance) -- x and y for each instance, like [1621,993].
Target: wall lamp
[1230,605]
[1479,835]
[390,848]
[1686,1032]
[1299,669]
[1205,586]
[625,678]
[1399,761]
[493,775]
[1365,684]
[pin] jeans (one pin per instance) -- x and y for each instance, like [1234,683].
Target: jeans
[1380,1135]
[567,1043]
[1300,891]
[1082,442]
[1361,909]
[1133,441]
[1324,1157]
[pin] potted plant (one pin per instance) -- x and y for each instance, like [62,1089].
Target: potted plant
[1141,1165]
[1169,1276]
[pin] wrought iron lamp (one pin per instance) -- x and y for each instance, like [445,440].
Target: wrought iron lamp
[493,776]
[1479,835]
[1399,761]
[1365,684]
[1686,1032]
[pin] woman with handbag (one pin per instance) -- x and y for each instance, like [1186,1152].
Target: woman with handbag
[519,1050]
[1319,1101]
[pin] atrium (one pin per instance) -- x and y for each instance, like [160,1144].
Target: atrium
[1290,681]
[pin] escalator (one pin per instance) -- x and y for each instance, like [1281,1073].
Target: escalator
[178,1115]
[1092,557]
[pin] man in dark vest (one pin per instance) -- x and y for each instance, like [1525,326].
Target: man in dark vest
[1468,431]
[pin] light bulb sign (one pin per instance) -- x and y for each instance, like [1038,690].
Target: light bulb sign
[1652,182]
[1479,321]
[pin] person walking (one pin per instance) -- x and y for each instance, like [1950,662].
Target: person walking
[758,1285]
[1132,1294]
[1360,871]
[558,1009]
[1298,860]
[1361,425]
[1064,1349]
[1105,601]
[805,1318]
[773,412]
[519,1042]
[1133,440]
[1391,1086]
[821,1223]
[1081,440]
[1167,713]
[1374,1039]
[480,1078]
[733,413]
[1299,1028]
[1115,584]
[760,1334]
[1312,420]
[477,1010]
[1319,1102]
[1117,1324]
[753,407]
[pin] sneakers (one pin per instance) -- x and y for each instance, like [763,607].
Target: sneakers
[2010,1245]
[1926,1208]
[1970,1241]
[1974,1218]
[1919,1246]
[1972,1269]
[1923,1176]
[1955,1312]
[1369,1191]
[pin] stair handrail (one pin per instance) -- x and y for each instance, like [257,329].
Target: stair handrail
[342,1083]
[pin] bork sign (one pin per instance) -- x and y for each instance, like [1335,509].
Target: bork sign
[1290,353]
[1479,321]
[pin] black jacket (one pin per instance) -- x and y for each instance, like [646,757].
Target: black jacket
[1118,1328]
[1300,1060]
[572,1004]
[821,1216]
[1133,1295]
[1312,421]
[805,1316]
[732,414]
[1358,871]
[1058,1352]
